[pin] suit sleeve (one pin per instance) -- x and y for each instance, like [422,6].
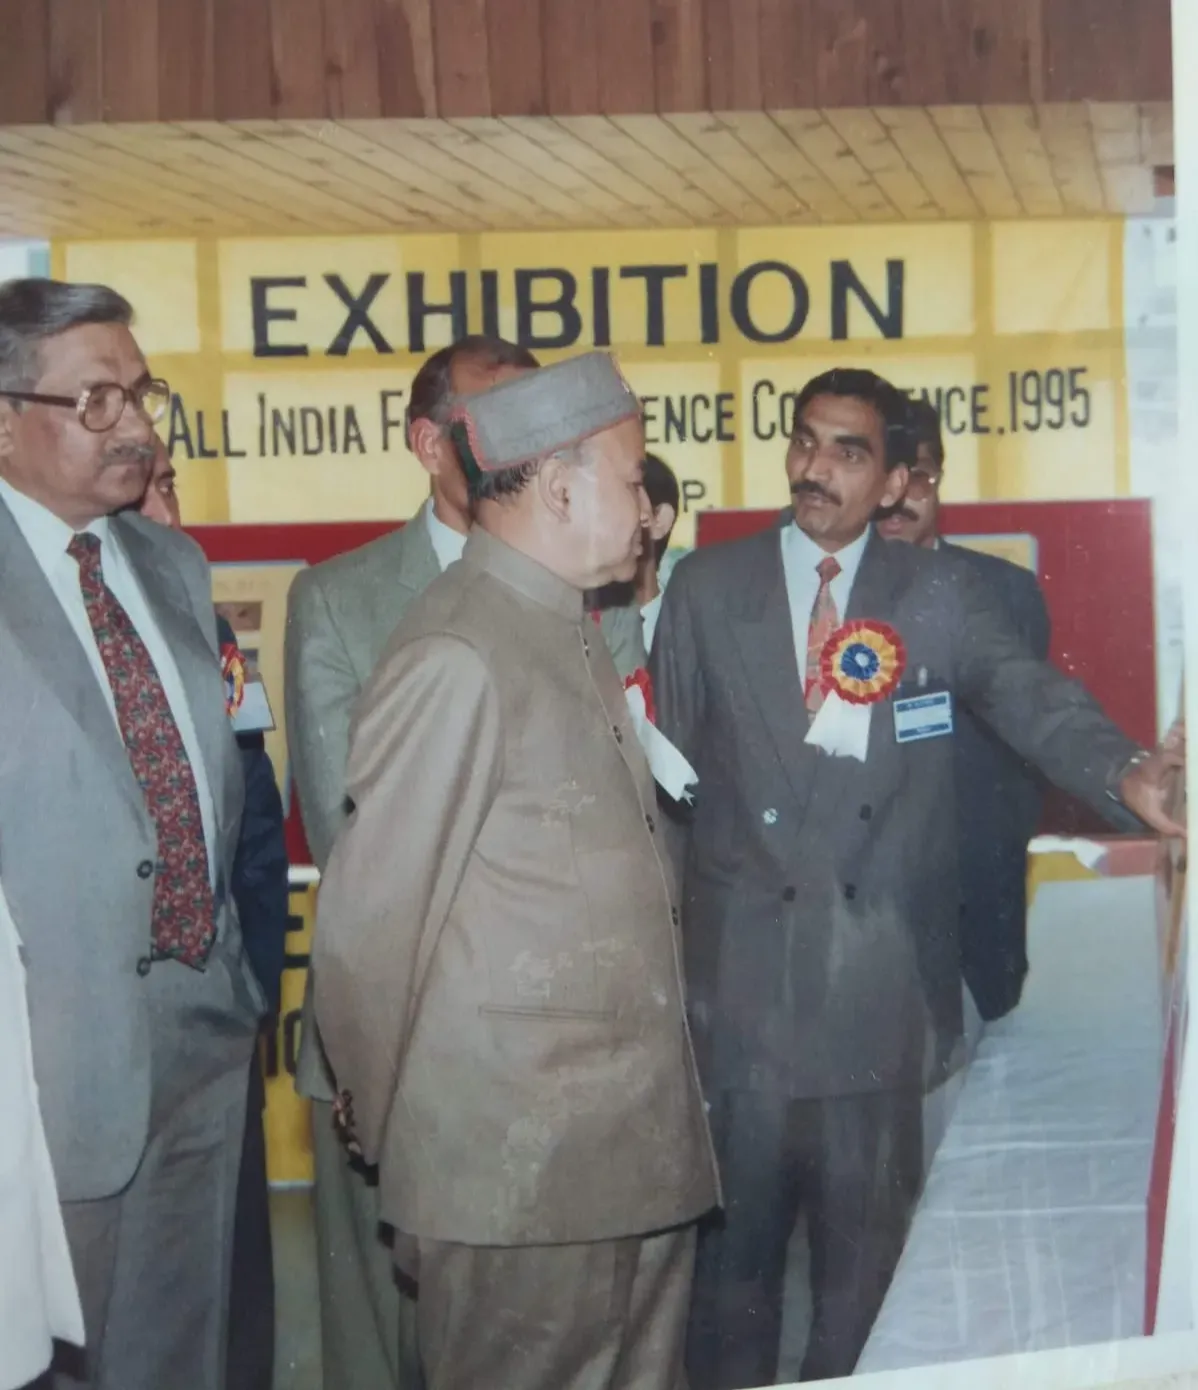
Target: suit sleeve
[1032,612]
[321,689]
[1048,719]
[424,768]
[260,870]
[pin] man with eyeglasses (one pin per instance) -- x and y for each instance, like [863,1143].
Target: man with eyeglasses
[992,830]
[121,798]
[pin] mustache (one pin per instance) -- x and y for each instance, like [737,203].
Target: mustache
[130,453]
[806,488]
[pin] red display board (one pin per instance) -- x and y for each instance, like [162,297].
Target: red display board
[1094,564]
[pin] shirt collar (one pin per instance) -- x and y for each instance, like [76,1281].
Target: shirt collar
[47,535]
[524,574]
[807,555]
[448,544]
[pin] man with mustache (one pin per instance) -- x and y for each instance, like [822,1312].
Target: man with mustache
[993,830]
[120,808]
[820,903]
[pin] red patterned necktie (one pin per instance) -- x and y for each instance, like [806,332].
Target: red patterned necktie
[824,622]
[184,915]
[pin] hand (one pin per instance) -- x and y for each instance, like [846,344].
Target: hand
[1150,786]
[343,1122]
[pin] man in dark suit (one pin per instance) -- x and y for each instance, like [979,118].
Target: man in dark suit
[259,887]
[820,895]
[999,795]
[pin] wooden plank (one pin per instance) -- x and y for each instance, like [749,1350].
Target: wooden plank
[624,48]
[460,53]
[1156,132]
[130,60]
[244,82]
[1065,130]
[679,55]
[758,131]
[620,149]
[722,148]
[915,136]
[407,66]
[1016,135]
[988,52]
[858,52]
[167,150]
[968,140]
[186,60]
[442,200]
[592,205]
[24,62]
[351,59]
[539,199]
[643,202]
[1118,51]
[671,151]
[30,183]
[297,58]
[1126,177]
[571,54]
[833,158]
[733,44]
[880,157]
[75,61]
[515,57]
[787,53]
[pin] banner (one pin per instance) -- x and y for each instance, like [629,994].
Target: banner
[291,359]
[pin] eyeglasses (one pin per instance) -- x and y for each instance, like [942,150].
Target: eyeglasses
[100,407]
[921,483]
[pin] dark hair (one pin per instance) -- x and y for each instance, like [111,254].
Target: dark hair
[432,388]
[662,488]
[893,407]
[925,427]
[32,311]
[505,482]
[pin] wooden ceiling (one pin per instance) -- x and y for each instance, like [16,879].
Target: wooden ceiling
[889,163]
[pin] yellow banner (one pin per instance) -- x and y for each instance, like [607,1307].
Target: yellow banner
[291,359]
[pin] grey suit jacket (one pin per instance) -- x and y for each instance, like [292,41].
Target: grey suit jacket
[821,899]
[74,835]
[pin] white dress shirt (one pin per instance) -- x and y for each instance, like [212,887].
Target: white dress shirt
[48,537]
[800,561]
[448,544]
[39,1299]
[649,616]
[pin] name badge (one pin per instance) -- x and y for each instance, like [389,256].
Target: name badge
[923,716]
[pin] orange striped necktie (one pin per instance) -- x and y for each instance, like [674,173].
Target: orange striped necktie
[824,622]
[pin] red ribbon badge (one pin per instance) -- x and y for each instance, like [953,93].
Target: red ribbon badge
[232,669]
[641,677]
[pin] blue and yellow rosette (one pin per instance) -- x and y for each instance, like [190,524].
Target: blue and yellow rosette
[232,669]
[862,662]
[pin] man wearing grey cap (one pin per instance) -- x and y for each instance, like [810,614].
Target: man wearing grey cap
[497,966]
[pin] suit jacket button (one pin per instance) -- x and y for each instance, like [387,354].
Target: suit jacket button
[867,812]
[674,915]
[788,895]
[850,891]
[615,728]
[651,823]
[143,966]
[145,868]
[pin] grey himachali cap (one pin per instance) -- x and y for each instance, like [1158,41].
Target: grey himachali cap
[541,412]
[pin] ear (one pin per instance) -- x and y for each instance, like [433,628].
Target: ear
[428,444]
[8,428]
[664,518]
[554,481]
[896,485]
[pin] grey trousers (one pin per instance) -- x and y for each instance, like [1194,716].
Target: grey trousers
[367,1321]
[604,1316]
[153,1261]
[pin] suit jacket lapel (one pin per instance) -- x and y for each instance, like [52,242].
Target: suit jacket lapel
[199,669]
[764,631]
[31,612]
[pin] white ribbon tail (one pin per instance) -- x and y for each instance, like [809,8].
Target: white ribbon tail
[670,769]
[841,728]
